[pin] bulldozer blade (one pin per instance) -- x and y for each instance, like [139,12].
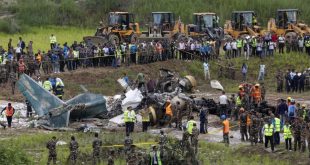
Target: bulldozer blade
[95,40]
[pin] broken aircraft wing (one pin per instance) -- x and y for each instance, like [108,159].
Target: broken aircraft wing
[59,113]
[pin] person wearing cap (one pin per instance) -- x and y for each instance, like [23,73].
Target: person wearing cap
[163,140]
[127,119]
[9,112]
[287,134]
[132,157]
[225,129]
[303,111]
[155,156]
[96,145]
[111,157]
[127,143]
[51,146]
[269,132]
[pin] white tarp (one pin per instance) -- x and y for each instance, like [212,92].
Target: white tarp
[133,98]
[216,85]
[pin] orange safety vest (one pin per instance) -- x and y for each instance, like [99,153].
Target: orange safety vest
[9,112]
[256,93]
[226,126]
[169,110]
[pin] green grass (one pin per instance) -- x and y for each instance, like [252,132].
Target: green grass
[209,153]
[40,36]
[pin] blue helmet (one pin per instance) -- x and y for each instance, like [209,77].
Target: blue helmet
[223,117]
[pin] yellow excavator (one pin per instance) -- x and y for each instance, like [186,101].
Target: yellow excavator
[164,26]
[205,25]
[287,24]
[121,27]
[242,23]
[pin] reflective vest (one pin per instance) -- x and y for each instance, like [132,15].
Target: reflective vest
[238,101]
[59,90]
[268,130]
[9,111]
[287,132]
[157,157]
[118,53]
[133,116]
[239,43]
[169,110]
[254,43]
[277,123]
[226,126]
[126,116]
[307,43]
[145,117]
[190,125]
[47,85]
[76,54]
[0,59]
[304,114]
[53,39]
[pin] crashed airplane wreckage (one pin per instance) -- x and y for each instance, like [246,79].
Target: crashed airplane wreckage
[55,112]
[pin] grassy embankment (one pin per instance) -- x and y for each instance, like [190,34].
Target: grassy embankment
[209,153]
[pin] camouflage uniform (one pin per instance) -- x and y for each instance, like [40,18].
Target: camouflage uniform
[260,127]
[254,129]
[185,140]
[110,160]
[73,151]
[296,129]
[243,126]
[308,137]
[303,135]
[52,155]
[132,158]
[194,139]
[97,143]
[127,144]
[12,78]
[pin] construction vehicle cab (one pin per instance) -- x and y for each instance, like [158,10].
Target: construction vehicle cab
[164,26]
[205,24]
[121,27]
[287,24]
[242,23]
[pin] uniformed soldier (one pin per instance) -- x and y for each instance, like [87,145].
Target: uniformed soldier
[132,157]
[280,79]
[308,136]
[111,158]
[163,140]
[185,140]
[243,124]
[260,127]
[127,143]
[194,138]
[97,143]
[254,129]
[51,146]
[303,134]
[74,146]
[296,129]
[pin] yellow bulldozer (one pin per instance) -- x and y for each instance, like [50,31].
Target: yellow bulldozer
[287,24]
[242,23]
[164,26]
[121,28]
[205,25]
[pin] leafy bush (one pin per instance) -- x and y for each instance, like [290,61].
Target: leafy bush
[12,155]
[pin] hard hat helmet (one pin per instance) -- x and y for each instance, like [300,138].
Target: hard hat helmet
[257,85]
[223,117]
[304,105]
[292,100]
[240,86]
[241,109]
[289,98]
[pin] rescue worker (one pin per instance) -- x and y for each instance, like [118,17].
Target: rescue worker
[21,67]
[9,112]
[203,120]
[127,119]
[97,143]
[277,126]
[52,154]
[145,113]
[59,90]
[268,132]
[303,134]
[47,85]
[243,124]
[296,129]
[287,134]
[260,127]
[74,146]
[225,129]
[256,95]
[190,125]
[140,80]
[254,128]
[127,143]
[194,138]
[29,109]
[168,113]
[303,112]
[132,157]
[111,157]
[133,119]
[155,156]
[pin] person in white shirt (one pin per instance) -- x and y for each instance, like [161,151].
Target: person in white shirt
[18,51]
[271,46]
[223,99]
[281,41]
[181,49]
[206,70]
[234,48]
[228,49]
[300,44]
[261,74]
